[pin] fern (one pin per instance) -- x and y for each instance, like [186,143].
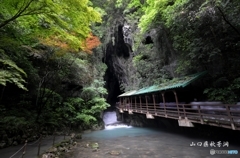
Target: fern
[10,72]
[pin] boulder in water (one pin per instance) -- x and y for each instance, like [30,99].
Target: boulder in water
[114,152]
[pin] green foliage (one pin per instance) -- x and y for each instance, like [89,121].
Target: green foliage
[135,3]
[195,29]
[13,123]
[229,94]
[70,109]
[151,12]
[149,67]
[78,69]
[77,110]
[93,101]
[68,89]
[14,120]
[10,72]
[200,35]
[36,45]
[95,89]
[97,105]
[50,97]
[54,22]
[119,3]
[87,119]
[137,58]
[73,110]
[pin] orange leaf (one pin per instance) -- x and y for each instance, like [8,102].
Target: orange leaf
[90,43]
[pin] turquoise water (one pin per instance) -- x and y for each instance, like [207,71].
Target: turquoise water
[114,129]
[160,143]
[120,132]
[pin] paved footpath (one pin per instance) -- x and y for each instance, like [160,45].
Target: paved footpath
[31,149]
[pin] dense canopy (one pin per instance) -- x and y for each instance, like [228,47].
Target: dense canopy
[62,62]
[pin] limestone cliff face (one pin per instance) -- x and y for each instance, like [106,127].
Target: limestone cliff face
[119,59]
[118,54]
[158,57]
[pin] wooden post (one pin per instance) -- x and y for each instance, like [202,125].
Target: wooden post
[200,114]
[154,103]
[24,149]
[54,133]
[175,94]
[121,103]
[146,103]
[39,145]
[164,103]
[230,117]
[176,98]
[131,102]
[140,103]
[135,103]
[126,101]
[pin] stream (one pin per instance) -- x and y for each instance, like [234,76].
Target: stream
[115,129]
[123,141]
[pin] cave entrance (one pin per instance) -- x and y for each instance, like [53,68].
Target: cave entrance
[113,88]
[116,50]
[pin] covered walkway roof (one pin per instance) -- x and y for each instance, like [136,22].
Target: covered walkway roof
[172,84]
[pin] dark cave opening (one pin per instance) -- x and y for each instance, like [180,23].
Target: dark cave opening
[113,87]
[147,40]
[116,50]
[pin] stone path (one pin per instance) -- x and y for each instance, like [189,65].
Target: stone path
[163,145]
[31,150]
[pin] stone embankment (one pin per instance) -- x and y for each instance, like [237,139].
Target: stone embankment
[63,147]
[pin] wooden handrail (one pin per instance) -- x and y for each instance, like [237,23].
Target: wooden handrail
[224,117]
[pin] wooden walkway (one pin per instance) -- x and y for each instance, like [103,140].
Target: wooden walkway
[226,116]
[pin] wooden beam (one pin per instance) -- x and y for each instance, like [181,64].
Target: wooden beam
[230,117]
[130,102]
[135,103]
[125,103]
[120,102]
[176,99]
[146,102]
[154,103]
[140,103]
[164,103]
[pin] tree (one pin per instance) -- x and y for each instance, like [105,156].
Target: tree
[59,22]
[91,43]
[10,72]
[204,35]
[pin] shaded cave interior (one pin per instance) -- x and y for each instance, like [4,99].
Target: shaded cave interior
[116,50]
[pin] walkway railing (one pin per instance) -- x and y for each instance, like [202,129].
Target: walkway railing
[33,149]
[224,115]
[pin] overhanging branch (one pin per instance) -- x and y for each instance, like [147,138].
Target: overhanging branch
[225,19]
